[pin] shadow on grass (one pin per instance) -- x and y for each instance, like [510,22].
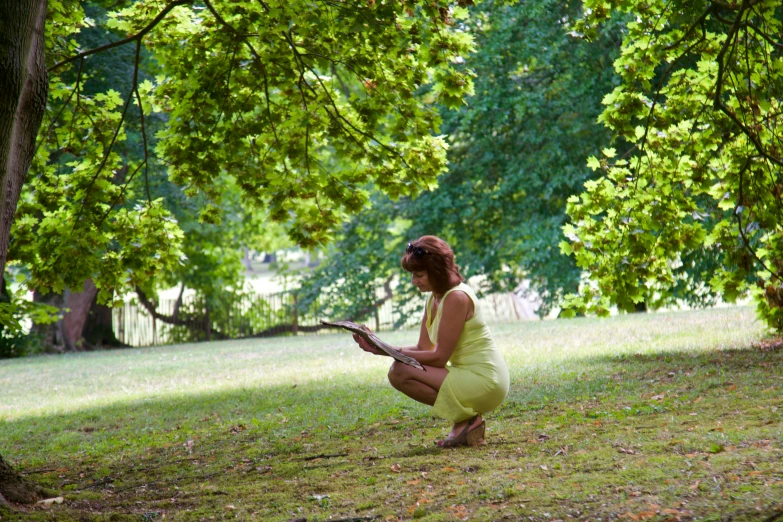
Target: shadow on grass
[193,452]
[687,371]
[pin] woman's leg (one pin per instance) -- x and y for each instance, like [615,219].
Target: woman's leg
[459,426]
[424,387]
[417,384]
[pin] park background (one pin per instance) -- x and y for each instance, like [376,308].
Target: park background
[583,158]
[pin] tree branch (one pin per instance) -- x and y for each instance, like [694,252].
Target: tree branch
[153,311]
[65,104]
[114,137]
[717,99]
[741,229]
[261,65]
[136,37]
[143,129]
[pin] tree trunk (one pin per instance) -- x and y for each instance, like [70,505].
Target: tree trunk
[23,91]
[99,330]
[14,488]
[78,305]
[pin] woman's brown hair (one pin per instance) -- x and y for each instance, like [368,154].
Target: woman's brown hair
[433,255]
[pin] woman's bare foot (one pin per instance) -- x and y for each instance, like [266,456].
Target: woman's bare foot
[458,427]
[465,433]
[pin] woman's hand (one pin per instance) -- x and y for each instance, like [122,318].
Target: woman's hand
[365,345]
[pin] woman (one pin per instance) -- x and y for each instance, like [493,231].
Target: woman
[452,331]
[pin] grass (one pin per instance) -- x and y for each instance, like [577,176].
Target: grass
[660,417]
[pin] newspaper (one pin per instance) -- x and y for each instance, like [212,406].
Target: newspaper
[373,339]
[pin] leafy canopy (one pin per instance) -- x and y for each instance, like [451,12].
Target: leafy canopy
[296,109]
[518,151]
[700,100]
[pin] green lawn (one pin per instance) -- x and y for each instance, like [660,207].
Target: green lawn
[657,417]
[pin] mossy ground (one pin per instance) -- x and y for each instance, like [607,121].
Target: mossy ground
[648,417]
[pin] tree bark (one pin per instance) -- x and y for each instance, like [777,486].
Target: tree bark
[14,488]
[79,305]
[99,330]
[23,90]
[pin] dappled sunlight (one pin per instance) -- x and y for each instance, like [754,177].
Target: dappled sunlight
[43,385]
[58,384]
[309,425]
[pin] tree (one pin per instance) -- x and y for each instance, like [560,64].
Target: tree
[518,151]
[23,87]
[701,84]
[252,90]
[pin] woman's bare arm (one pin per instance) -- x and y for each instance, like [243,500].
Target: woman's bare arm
[424,343]
[457,307]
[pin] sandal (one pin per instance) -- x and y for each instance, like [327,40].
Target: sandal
[467,437]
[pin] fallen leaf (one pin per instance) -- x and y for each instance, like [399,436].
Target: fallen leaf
[50,501]
[669,512]
[698,399]
[731,387]
[448,470]
[544,468]
[414,482]
[658,397]
[239,428]
[695,485]
[231,506]
[396,468]
[626,451]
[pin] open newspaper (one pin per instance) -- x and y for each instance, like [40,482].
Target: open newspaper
[373,339]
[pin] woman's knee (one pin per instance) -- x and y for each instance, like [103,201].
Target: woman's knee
[396,373]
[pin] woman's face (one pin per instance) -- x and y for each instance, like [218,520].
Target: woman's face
[421,280]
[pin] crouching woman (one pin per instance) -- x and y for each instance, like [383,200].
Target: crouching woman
[466,376]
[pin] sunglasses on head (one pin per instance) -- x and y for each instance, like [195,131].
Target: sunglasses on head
[415,250]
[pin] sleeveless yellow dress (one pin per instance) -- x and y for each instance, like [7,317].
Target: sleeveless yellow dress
[478,376]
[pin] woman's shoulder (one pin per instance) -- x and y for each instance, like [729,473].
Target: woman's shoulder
[460,293]
[460,289]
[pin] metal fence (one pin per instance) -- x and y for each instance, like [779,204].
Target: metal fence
[263,315]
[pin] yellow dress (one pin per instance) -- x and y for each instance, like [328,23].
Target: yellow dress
[478,376]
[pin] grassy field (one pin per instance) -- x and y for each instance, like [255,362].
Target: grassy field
[660,417]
